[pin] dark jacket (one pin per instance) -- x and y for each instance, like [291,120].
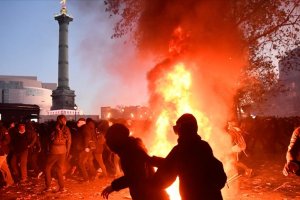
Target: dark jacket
[75,146]
[60,140]
[78,136]
[33,138]
[190,160]
[100,143]
[22,142]
[88,134]
[137,172]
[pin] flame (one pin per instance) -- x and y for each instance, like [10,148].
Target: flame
[178,42]
[175,90]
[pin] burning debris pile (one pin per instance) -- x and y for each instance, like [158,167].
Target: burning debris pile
[200,66]
[171,94]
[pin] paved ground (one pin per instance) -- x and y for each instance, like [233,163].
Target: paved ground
[266,183]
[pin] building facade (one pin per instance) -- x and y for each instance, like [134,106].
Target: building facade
[126,112]
[26,90]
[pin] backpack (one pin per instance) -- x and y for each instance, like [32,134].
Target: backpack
[59,137]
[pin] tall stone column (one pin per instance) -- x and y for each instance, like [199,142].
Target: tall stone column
[63,61]
[63,97]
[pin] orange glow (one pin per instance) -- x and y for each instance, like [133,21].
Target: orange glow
[175,90]
[177,44]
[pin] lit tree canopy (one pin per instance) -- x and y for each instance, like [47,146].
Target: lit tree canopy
[265,29]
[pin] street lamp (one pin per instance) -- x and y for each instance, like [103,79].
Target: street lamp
[75,108]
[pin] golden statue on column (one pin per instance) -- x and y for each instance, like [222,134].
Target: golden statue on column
[63,9]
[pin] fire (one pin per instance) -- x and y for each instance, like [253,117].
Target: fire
[175,89]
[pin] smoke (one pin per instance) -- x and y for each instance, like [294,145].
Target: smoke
[116,73]
[213,50]
[211,47]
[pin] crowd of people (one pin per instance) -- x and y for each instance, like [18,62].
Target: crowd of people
[90,149]
[55,149]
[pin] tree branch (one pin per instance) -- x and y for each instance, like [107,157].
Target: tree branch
[276,27]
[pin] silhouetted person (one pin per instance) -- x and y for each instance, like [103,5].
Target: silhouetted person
[21,142]
[85,160]
[34,150]
[293,155]
[135,165]
[59,148]
[4,149]
[201,175]
[76,146]
[100,143]
[239,146]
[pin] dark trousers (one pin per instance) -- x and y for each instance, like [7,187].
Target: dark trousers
[99,159]
[86,162]
[19,158]
[58,160]
[33,162]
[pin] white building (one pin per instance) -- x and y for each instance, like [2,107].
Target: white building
[26,90]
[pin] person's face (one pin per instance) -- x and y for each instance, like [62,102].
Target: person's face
[21,128]
[63,121]
[12,125]
[79,123]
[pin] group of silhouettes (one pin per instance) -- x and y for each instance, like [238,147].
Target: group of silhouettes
[201,175]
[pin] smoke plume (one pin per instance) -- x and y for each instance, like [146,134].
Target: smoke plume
[209,44]
[213,49]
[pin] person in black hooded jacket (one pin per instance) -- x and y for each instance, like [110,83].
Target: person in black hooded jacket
[136,165]
[201,175]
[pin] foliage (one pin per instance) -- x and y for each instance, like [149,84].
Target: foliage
[268,29]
